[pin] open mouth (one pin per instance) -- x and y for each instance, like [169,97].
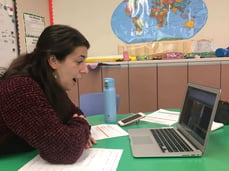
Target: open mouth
[74,81]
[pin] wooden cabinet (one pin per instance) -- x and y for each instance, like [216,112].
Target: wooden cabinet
[145,87]
[91,82]
[172,82]
[225,80]
[120,74]
[206,73]
[142,87]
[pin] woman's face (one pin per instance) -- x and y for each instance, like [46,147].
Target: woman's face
[67,72]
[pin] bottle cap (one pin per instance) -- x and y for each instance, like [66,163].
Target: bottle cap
[108,82]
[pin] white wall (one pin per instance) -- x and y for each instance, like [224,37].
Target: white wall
[217,25]
[93,19]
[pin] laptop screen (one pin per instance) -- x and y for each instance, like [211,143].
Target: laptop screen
[197,111]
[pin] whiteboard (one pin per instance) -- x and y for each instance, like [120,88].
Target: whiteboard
[8,33]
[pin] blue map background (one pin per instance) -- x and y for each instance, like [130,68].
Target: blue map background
[123,27]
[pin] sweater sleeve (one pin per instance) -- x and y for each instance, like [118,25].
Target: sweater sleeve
[29,115]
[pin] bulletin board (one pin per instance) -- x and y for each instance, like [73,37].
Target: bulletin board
[8,32]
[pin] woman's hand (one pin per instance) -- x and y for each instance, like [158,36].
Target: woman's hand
[81,116]
[91,141]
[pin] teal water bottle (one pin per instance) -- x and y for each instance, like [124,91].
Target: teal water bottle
[109,100]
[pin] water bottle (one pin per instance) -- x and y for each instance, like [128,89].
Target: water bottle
[109,100]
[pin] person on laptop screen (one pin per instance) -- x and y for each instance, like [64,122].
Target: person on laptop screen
[35,111]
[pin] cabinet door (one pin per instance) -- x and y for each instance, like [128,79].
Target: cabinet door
[205,73]
[172,82]
[225,80]
[120,74]
[143,87]
[91,82]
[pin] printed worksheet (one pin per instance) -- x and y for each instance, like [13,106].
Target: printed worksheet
[96,159]
[104,131]
[162,116]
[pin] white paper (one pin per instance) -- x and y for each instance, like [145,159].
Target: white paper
[162,116]
[216,125]
[167,117]
[34,24]
[93,159]
[104,131]
[30,43]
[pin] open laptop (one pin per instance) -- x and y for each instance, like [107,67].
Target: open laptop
[192,130]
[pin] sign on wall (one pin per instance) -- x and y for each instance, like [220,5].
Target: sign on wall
[34,25]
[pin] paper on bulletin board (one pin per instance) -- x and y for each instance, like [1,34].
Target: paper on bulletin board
[34,25]
[8,33]
[30,43]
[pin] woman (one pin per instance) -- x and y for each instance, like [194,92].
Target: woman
[35,111]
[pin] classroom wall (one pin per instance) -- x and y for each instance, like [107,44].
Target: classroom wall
[39,8]
[93,19]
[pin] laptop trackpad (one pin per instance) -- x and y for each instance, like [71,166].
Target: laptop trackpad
[142,140]
[144,146]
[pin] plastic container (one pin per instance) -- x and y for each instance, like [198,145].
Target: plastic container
[110,110]
[126,55]
[222,52]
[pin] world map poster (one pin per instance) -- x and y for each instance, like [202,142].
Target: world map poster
[135,21]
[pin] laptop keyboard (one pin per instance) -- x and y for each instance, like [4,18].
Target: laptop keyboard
[169,140]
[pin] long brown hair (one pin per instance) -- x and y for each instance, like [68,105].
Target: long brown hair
[57,40]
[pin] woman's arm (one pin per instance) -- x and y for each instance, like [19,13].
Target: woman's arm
[30,116]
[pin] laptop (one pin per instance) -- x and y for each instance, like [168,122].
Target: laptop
[190,135]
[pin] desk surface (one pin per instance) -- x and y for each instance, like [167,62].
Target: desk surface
[215,158]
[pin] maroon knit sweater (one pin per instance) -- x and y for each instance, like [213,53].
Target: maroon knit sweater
[26,113]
